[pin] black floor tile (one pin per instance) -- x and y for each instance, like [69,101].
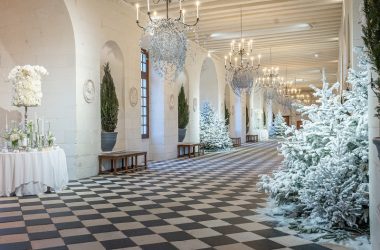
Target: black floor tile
[44,235]
[79,239]
[218,241]
[177,236]
[116,244]
[263,244]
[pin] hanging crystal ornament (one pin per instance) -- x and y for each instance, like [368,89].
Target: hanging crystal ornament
[167,39]
[240,73]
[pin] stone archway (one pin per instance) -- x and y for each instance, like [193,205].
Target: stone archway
[112,54]
[41,33]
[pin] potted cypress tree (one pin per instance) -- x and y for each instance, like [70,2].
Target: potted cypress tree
[371,38]
[109,110]
[226,115]
[246,120]
[183,114]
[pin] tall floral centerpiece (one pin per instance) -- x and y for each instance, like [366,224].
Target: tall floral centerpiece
[26,81]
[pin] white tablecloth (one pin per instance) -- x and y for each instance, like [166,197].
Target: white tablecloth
[29,173]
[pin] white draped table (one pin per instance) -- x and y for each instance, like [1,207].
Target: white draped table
[30,173]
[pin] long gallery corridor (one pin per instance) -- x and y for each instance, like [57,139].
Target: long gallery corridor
[202,203]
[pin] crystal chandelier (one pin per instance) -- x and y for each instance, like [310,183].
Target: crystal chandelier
[240,71]
[286,88]
[167,39]
[270,78]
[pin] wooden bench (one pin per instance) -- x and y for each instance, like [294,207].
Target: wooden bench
[236,141]
[191,149]
[252,138]
[125,157]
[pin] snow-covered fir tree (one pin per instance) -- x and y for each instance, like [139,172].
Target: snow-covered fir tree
[279,125]
[213,130]
[324,173]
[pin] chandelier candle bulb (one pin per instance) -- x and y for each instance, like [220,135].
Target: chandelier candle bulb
[137,11]
[180,5]
[225,60]
[147,2]
[183,13]
[197,3]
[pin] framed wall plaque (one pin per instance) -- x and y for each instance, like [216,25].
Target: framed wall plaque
[89,91]
[133,96]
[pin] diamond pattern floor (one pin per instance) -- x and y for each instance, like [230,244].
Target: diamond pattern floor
[200,203]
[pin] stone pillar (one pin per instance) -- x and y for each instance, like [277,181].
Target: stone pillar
[163,119]
[269,114]
[238,118]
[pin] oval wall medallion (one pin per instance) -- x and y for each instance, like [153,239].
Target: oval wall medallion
[171,102]
[195,104]
[133,96]
[89,91]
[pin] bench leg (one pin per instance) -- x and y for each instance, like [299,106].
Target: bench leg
[146,164]
[100,166]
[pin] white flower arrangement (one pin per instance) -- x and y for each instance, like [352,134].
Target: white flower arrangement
[26,82]
[15,136]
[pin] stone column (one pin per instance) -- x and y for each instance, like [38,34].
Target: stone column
[269,114]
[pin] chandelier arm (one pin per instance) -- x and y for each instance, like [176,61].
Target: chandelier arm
[138,24]
[180,17]
[192,25]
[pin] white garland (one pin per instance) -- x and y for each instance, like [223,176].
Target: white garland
[26,81]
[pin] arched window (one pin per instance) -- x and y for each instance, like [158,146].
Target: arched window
[144,94]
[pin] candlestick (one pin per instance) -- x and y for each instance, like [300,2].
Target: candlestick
[137,11]
[6,121]
[43,126]
[197,9]
[148,5]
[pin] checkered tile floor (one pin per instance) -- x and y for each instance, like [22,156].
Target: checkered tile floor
[200,203]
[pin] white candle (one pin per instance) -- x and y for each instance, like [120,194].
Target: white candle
[235,61]
[183,12]
[137,11]
[148,5]
[225,60]
[197,9]
[6,121]
[180,4]
[259,58]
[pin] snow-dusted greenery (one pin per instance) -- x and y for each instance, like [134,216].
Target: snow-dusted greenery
[213,130]
[324,174]
[279,125]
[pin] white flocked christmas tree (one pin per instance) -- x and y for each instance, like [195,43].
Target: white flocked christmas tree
[324,173]
[213,130]
[279,125]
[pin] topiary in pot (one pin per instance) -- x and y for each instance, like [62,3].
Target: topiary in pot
[371,38]
[226,115]
[246,120]
[109,107]
[183,114]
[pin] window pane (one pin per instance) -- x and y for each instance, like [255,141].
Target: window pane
[144,87]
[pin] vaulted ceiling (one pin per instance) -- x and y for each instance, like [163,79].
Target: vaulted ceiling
[302,34]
